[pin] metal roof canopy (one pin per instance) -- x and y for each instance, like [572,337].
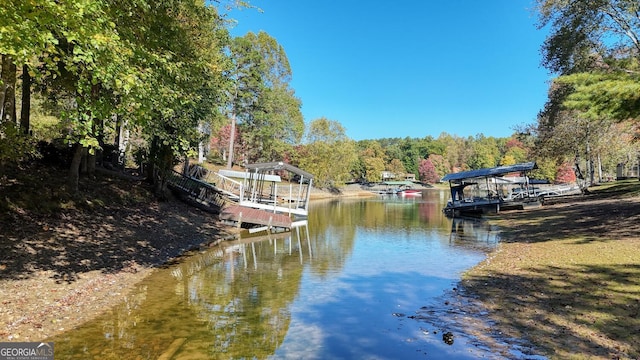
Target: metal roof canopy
[255,195]
[278,166]
[245,175]
[490,172]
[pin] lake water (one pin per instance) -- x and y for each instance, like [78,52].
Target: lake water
[363,279]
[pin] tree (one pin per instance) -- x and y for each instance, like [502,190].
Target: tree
[515,152]
[8,89]
[579,133]
[441,165]
[27,30]
[372,156]
[265,106]
[329,154]
[456,151]
[582,33]
[566,174]
[34,34]
[177,50]
[428,172]
[604,95]
[374,167]
[595,47]
[220,140]
[412,154]
[156,66]
[485,152]
[396,166]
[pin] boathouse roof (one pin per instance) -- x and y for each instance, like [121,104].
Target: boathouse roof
[261,167]
[245,175]
[490,172]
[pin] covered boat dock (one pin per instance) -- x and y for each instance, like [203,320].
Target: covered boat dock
[488,196]
[263,200]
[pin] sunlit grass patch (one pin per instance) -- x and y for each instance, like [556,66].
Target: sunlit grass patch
[562,296]
[567,277]
[622,188]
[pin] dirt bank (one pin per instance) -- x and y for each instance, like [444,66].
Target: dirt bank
[65,259]
[56,273]
[352,190]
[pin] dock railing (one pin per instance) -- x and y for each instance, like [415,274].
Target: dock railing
[200,191]
[227,186]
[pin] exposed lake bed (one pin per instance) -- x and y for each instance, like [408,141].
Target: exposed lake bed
[354,283]
[421,325]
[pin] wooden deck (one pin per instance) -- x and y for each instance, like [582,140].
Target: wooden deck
[242,214]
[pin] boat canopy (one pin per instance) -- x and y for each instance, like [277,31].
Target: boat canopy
[273,166]
[490,172]
[245,175]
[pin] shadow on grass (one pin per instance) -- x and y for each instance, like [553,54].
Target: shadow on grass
[113,225]
[568,277]
[571,311]
[596,220]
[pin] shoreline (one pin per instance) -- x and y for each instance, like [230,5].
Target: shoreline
[59,272]
[47,289]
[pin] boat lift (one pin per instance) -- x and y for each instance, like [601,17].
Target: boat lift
[492,202]
[264,204]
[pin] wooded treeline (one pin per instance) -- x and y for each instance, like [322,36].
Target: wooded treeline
[593,110]
[121,83]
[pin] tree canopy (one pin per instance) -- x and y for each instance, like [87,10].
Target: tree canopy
[594,48]
[264,104]
[169,73]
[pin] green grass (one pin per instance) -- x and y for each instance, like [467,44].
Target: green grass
[623,188]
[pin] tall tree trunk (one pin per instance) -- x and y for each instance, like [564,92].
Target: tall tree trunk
[185,166]
[74,170]
[232,136]
[599,169]
[202,145]
[91,162]
[165,160]
[25,112]
[160,162]
[95,154]
[120,142]
[83,161]
[8,76]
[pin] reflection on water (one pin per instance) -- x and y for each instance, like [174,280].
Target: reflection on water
[473,232]
[344,286]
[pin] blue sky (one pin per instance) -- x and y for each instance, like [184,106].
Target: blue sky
[409,68]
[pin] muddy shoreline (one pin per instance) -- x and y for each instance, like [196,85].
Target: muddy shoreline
[58,271]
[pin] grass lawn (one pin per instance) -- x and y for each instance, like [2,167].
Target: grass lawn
[566,277]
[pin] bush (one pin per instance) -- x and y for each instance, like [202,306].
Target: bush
[15,147]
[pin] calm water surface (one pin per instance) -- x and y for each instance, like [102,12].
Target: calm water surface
[364,279]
